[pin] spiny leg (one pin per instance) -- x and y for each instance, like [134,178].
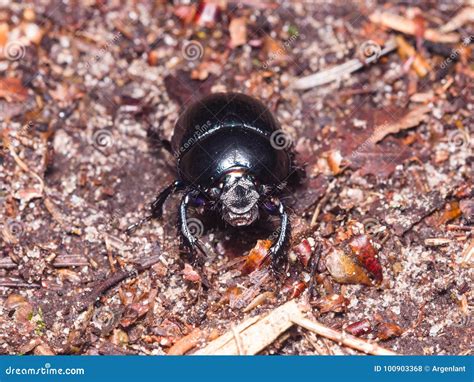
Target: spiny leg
[157,205]
[278,247]
[190,240]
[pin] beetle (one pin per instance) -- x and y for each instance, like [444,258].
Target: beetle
[232,157]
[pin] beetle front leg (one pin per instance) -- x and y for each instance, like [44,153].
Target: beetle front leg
[188,238]
[157,205]
[277,249]
[191,241]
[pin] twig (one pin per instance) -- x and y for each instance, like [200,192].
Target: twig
[408,26]
[238,340]
[339,71]
[341,337]
[258,332]
[465,16]
[186,343]
[11,282]
[108,283]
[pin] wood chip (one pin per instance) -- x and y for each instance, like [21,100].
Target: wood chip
[437,241]
[186,343]
[465,16]
[256,333]
[408,26]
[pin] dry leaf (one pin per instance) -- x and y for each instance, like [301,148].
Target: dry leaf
[333,303]
[344,269]
[190,274]
[186,343]
[303,250]
[387,330]
[256,256]
[12,90]
[367,256]
[411,119]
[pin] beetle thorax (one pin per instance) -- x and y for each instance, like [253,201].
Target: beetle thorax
[239,199]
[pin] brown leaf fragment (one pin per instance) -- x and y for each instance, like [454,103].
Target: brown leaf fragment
[294,289]
[334,303]
[411,119]
[367,256]
[359,328]
[13,90]
[256,256]
[190,274]
[133,312]
[303,250]
[344,269]
[43,349]
[452,211]
[188,342]
[387,330]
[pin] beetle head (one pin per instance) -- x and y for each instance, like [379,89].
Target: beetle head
[239,199]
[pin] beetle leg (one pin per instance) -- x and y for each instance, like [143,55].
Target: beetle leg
[157,205]
[277,249]
[188,238]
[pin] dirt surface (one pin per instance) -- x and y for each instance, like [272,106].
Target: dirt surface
[87,91]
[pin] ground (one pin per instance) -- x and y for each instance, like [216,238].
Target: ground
[87,92]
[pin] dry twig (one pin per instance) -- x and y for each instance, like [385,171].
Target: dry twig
[256,333]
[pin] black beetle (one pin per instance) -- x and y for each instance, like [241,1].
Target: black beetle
[232,157]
